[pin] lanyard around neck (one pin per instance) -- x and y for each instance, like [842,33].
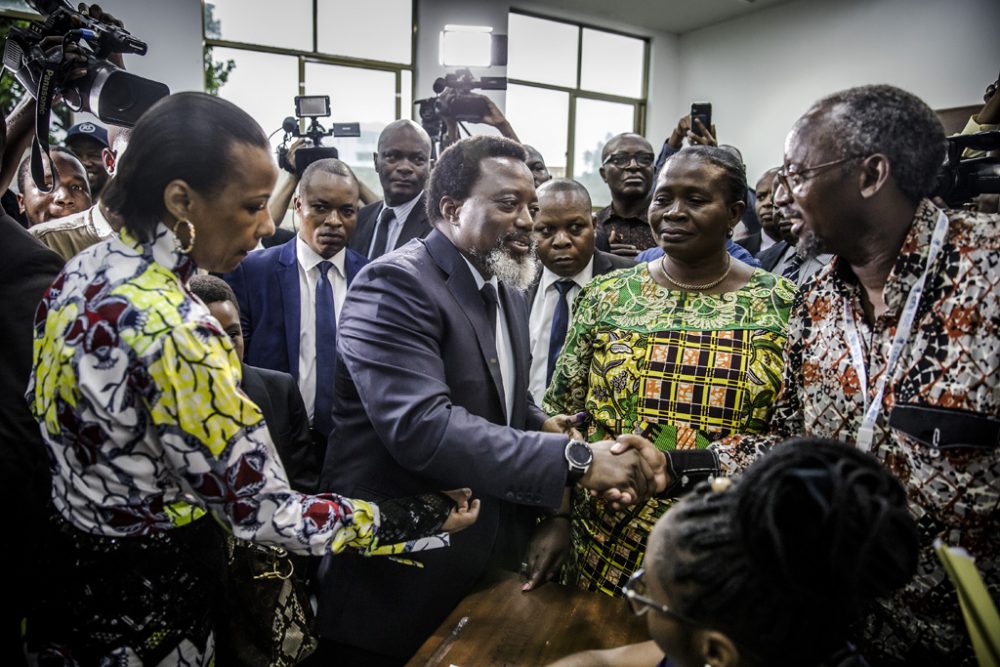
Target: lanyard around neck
[866,433]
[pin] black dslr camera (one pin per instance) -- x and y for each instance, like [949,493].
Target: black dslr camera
[312,107]
[960,179]
[461,106]
[112,94]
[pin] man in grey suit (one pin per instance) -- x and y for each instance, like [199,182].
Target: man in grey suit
[402,163]
[431,390]
[565,234]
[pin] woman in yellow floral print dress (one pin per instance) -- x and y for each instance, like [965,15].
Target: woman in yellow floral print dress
[684,350]
[136,389]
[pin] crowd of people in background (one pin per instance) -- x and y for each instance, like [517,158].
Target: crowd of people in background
[479,370]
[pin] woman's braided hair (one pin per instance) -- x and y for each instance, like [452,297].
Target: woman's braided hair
[784,560]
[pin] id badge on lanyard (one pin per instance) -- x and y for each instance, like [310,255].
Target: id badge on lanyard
[866,433]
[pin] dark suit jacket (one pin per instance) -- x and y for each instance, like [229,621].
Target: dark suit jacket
[770,257]
[604,262]
[280,236]
[416,226]
[418,408]
[27,268]
[278,398]
[267,289]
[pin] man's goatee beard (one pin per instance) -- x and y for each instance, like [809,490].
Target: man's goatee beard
[514,272]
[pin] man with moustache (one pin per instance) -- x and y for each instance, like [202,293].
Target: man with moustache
[894,347]
[785,257]
[402,162]
[564,232]
[88,141]
[432,390]
[290,296]
[627,168]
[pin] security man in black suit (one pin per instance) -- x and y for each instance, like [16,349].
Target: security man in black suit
[565,236]
[402,164]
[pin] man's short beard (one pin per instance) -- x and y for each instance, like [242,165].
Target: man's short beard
[512,271]
[809,246]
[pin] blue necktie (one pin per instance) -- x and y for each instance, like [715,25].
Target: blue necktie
[560,322]
[791,270]
[326,350]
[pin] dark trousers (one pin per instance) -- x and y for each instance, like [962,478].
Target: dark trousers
[337,654]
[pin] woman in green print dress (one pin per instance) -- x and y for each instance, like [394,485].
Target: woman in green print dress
[684,350]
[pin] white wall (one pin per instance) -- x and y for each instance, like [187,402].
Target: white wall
[762,71]
[172,29]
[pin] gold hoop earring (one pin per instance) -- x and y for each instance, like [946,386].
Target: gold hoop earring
[182,249]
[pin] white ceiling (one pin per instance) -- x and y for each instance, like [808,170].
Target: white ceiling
[676,16]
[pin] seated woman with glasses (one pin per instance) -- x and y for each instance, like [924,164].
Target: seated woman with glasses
[683,350]
[773,568]
[154,449]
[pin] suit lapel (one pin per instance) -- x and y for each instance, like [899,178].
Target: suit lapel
[416,226]
[353,262]
[362,238]
[288,278]
[462,286]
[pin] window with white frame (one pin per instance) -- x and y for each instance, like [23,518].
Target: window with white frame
[311,50]
[571,88]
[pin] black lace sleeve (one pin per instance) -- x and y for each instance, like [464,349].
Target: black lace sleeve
[405,519]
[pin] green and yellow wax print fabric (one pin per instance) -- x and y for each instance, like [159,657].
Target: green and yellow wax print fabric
[683,368]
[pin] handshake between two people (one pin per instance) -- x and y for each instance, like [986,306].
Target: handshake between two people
[626,471]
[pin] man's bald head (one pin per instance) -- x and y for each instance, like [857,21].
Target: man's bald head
[325,166]
[615,142]
[403,161]
[403,126]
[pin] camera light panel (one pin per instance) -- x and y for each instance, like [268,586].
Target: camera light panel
[465,46]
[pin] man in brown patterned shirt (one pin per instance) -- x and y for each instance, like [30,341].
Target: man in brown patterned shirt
[627,168]
[894,346]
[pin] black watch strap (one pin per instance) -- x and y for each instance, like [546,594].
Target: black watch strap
[687,468]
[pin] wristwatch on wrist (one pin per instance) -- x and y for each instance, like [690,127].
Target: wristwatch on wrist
[579,456]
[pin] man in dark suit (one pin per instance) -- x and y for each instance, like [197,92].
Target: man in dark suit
[432,391]
[564,232]
[290,295]
[27,268]
[274,392]
[402,163]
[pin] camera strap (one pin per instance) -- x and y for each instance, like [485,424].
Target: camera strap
[44,93]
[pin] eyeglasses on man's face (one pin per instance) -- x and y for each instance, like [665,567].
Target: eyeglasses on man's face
[793,179]
[622,160]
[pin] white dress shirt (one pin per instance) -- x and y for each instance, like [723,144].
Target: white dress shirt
[401,213]
[308,261]
[765,241]
[543,309]
[505,352]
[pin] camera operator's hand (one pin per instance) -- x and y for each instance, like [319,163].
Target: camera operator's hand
[95,12]
[493,116]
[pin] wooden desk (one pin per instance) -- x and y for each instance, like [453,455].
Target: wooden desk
[508,628]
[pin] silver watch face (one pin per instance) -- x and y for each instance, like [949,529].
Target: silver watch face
[578,454]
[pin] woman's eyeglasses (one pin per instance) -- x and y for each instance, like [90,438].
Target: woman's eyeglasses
[640,603]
